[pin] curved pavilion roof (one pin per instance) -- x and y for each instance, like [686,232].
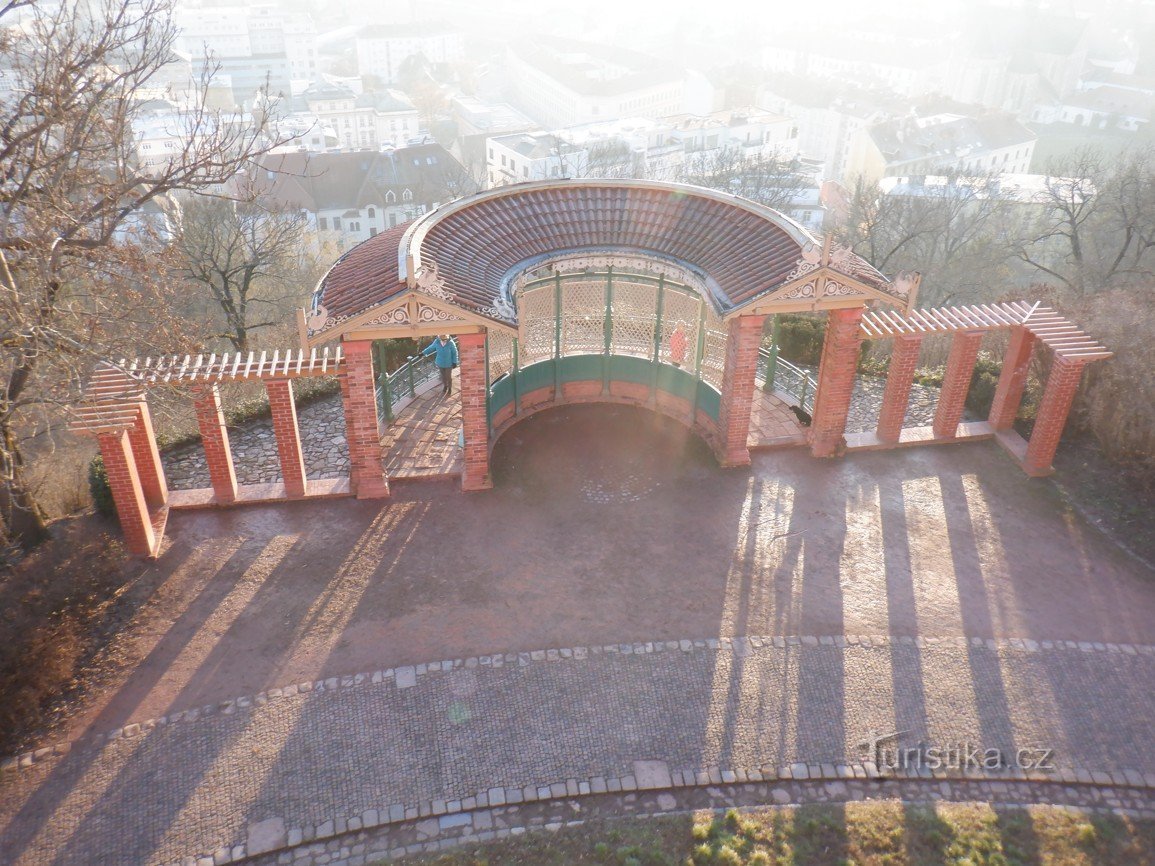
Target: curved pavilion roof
[473,246]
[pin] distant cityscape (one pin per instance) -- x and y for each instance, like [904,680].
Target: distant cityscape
[383,117]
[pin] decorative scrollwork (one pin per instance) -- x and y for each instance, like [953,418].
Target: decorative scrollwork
[426,313]
[904,283]
[501,309]
[833,287]
[318,318]
[806,290]
[430,282]
[396,316]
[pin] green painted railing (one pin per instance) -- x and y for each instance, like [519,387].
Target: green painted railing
[780,375]
[621,368]
[397,390]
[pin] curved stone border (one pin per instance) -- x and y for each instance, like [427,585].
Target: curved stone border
[358,847]
[406,677]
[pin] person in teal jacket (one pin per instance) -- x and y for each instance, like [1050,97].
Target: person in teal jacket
[444,352]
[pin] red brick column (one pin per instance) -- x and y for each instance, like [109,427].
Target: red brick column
[1012,379]
[215,439]
[147,458]
[836,373]
[127,493]
[744,336]
[358,391]
[288,435]
[471,348]
[956,382]
[1058,395]
[900,375]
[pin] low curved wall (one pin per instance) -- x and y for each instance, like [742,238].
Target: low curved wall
[620,379]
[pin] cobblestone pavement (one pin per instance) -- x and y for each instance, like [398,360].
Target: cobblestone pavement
[433,739]
[994,617]
[322,425]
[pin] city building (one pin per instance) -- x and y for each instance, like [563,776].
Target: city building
[381,50]
[565,82]
[366,119]
[352,196]
[940,143]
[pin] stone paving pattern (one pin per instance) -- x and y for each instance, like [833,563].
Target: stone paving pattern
[448,732]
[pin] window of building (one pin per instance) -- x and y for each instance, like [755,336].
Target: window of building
[390,197]
[373,232]
[371,213]
[407,196]
[337,223]
[525,171]
[503,160]
[323,224]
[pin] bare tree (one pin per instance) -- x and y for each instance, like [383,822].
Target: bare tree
[1095,228]
[767,179]
[949,227]
[74,286]
[247,256]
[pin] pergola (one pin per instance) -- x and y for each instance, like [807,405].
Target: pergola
[639,292]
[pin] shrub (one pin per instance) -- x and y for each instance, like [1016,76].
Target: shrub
[98,487]
[800,338]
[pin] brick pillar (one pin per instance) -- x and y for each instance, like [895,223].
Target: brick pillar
[836,373]
[215,439]
[127,493]
[1012,379]
[147,457]
[288,435]
[358,391]
[743,337]
[1058,395]
[475,425]
[900,375]
[956,382]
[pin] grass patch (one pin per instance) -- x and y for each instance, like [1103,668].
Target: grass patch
[876,833]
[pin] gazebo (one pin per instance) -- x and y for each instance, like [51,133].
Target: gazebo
[640,292]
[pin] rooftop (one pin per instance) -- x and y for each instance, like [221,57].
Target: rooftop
[741,249]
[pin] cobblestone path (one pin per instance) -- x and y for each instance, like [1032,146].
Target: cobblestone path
[442,738]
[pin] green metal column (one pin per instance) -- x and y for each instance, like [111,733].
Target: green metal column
[608,330]
[488,388]
[699,353]
[772,361]
[657,359]
[557,336]
[513,375]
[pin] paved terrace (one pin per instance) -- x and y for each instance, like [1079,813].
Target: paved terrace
[930,591]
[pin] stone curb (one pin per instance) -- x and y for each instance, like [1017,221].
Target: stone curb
[438,840]
[434,816]
[406,676]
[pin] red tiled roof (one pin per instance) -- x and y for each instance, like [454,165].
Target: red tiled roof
[363,277]
[476,242]
[475,246]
